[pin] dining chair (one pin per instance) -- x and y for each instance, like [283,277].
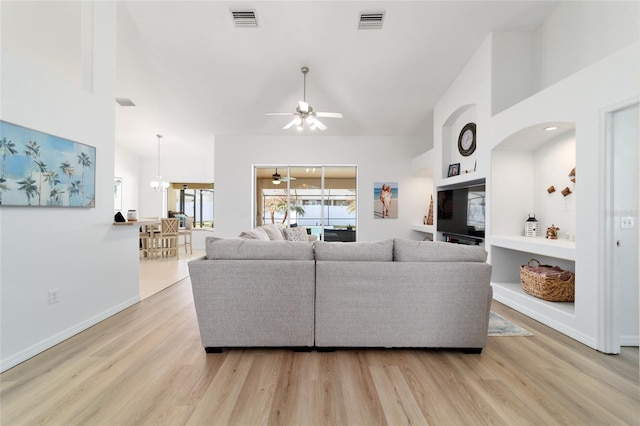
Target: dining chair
[187,234]
[148,233]
[167,239]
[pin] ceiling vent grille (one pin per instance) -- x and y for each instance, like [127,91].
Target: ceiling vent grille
[125,102]
[244,18]
[371,20]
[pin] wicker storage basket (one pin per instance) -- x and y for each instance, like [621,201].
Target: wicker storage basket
[548,282]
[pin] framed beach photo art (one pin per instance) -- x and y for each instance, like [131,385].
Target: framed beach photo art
[385,200]
[42,170]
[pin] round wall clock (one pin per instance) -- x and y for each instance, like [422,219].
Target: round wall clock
[467,139]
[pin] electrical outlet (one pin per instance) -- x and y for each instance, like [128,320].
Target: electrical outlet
[53,296]
[627,222]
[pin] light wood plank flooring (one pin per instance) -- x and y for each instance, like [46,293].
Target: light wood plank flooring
[158,273]
[146,365]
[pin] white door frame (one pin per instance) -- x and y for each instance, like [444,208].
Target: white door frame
[608,326]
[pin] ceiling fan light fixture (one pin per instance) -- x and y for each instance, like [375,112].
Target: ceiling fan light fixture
[305,113]
[275,178]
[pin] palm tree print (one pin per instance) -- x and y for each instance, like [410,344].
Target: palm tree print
[85,161]
[32,151]
[6,147]
[42,168]
[53,179]
[75,190]
[68,171]
[28,185]
[39,169]
[56,197]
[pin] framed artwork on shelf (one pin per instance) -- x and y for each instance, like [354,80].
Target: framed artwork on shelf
[454,170]
[42,170]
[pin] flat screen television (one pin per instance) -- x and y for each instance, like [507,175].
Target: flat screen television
[461,211]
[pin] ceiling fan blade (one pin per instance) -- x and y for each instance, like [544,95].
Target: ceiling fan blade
[329,114]
[291,123]
[317,123]
[280,113]
[304,107]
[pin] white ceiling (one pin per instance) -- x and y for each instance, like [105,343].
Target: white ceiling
[192,74]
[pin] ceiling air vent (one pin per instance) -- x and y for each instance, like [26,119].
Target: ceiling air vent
[244,18]
[125,102]
[371,20]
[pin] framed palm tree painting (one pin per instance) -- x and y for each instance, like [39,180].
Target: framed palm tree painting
[42,170]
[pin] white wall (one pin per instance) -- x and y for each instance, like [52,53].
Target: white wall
[127,167]
[378,159]
[579,33]
[75,250]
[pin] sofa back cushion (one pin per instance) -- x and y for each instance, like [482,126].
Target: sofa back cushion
[377,251]
[274,231]
[242,249]
[255,234]
[436,251]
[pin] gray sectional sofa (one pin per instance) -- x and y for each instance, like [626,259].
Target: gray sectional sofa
[392,293]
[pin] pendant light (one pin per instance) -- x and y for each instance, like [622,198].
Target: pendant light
[158,184]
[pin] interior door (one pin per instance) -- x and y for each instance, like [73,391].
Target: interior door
[625,221]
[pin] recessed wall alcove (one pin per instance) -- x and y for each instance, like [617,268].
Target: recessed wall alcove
[450,131]
[524,167]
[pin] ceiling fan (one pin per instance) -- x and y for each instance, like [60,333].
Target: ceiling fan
[304,112]
[276,178]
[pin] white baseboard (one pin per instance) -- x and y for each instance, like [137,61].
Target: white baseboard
[23,355]
[629,341]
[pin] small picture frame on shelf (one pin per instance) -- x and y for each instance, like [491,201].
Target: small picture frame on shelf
[454,170]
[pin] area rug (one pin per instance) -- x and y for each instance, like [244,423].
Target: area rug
[502,327]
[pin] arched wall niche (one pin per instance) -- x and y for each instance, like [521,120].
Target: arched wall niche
[450,130]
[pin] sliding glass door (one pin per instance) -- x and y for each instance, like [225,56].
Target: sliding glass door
[322,198]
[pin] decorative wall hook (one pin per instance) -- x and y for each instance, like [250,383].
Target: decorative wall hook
[551,189]
[566,191]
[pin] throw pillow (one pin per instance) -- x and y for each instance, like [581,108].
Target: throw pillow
[299,233]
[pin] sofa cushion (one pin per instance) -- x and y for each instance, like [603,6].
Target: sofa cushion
[380,251]
[242,249]
[274,231]
[298,233]
[255,234]
[436,251]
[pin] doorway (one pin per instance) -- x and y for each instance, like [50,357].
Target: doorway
[621,301]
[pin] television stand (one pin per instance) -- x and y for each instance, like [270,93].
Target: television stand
[462,239]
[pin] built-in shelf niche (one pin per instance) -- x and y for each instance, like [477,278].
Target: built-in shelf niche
[450,131]
[523,166]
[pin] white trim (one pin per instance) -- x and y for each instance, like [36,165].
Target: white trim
[33,350]
[608,339]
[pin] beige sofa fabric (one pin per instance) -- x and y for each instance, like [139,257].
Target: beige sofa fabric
[381,251]
[436,251]
[402,304]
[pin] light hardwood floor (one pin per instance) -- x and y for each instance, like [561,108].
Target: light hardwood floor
[146,365]
[158,273]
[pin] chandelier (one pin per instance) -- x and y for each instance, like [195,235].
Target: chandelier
[158,184]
